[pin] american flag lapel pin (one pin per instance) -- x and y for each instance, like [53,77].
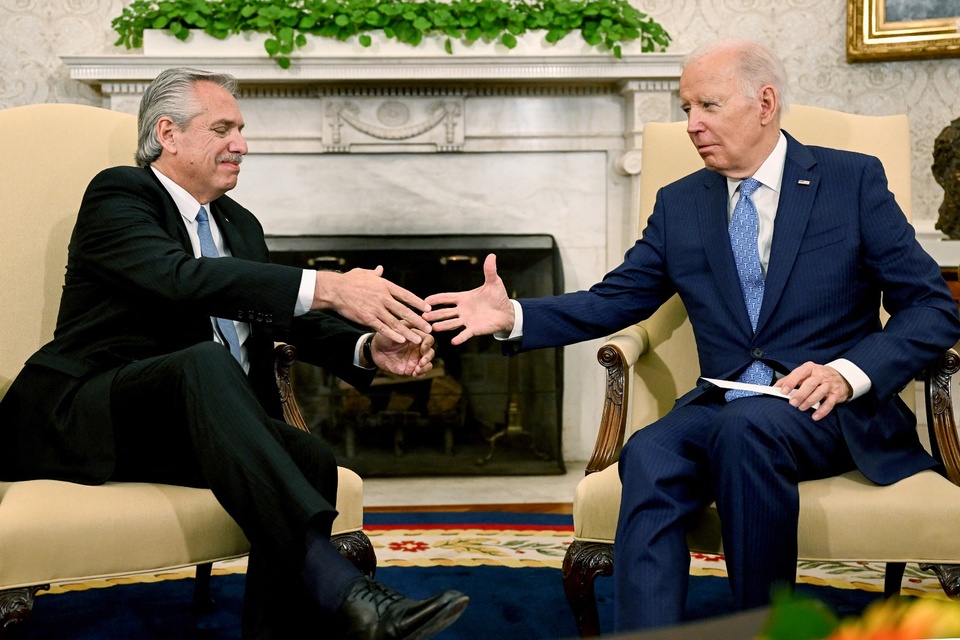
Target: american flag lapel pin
[803,183]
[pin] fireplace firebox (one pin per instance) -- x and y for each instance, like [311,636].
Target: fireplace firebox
[477,412]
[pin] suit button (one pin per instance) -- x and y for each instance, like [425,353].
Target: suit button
[757,353]
[259,317]
[268,318]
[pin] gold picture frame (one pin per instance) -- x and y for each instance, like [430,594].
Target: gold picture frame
[872,38]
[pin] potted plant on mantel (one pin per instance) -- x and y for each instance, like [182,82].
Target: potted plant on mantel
[605,24]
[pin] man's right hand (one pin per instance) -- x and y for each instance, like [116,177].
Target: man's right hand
[365,297]
[479,312]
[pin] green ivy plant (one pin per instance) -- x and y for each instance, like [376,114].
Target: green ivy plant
[602,23]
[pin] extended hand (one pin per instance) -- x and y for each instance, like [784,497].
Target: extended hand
[403,358]
[815,383]
[363,296]
[479,312]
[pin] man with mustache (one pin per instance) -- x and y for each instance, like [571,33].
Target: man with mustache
[161,366]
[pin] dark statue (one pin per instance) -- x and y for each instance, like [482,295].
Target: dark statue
[946,170]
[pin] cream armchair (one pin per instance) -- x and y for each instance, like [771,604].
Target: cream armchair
[649,365]
[58,531]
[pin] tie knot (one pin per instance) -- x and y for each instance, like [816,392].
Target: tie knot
[747,187]
[202,214]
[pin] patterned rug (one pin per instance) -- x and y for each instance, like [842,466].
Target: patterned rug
[419,553]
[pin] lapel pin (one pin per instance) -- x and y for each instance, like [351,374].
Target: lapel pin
[805,183]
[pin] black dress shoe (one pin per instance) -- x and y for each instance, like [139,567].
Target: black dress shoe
[372,611]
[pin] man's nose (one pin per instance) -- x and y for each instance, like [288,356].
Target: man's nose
[238,144]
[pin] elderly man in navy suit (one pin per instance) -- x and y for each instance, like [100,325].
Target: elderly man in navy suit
[792,300]
[164,271]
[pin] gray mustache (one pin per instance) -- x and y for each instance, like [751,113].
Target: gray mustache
[236,158]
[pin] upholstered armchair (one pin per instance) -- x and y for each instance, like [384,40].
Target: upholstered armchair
[53,531]
[649,365]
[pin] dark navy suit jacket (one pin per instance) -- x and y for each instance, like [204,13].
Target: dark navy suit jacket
[134,290]
[841,245]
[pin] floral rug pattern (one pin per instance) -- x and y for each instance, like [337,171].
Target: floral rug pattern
[545,547]
[538,546]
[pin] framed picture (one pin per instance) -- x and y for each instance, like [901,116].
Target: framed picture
[880,30]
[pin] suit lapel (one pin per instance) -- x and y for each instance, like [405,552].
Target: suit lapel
[716,242]
[232,237]
[797,193]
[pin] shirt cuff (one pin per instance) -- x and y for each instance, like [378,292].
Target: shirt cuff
[517,331]
[308,284]
[859,381]
[356,352]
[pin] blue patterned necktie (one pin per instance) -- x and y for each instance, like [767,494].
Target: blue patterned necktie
[744,228]
[208,249]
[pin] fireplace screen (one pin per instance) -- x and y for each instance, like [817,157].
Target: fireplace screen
[477,412]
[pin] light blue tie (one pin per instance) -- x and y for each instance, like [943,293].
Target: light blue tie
[744,228]
[228,330]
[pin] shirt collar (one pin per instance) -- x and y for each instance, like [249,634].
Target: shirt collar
[770,173]
[186,203]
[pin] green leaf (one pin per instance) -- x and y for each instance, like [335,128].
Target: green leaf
[365,40]
[602,23]
[272,45]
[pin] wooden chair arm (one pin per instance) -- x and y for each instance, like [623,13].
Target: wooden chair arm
[284,357]
[617,355]
[944,440]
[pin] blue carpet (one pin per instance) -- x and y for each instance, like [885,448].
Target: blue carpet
[506,603]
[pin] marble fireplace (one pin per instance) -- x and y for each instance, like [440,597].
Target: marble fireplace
[363,142]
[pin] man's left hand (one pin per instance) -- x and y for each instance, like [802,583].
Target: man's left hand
[813,383]
[403,358]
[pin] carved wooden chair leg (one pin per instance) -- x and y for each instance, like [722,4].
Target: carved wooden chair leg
[16,605]
[949,577]
[582,564]
[357,548]
[202,601]
[892,577]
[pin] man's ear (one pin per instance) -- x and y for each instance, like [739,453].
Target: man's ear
[166,134]
[769,105]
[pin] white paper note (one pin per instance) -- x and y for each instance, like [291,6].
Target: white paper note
[757,388]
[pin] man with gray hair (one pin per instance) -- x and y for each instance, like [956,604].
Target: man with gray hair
[161,366]
[781,254]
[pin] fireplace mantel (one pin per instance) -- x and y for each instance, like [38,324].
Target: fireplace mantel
[421,144]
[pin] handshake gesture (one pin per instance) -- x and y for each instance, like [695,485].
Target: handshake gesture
[403,322]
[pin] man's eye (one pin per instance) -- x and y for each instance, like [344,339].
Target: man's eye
[220,131]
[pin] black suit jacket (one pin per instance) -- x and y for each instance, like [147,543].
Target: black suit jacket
[134,290]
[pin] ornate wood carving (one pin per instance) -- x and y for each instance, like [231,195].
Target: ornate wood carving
[613,418]
[944,439]
[286,355]
[16,605]
[357,548]
[949,577]
[582,564]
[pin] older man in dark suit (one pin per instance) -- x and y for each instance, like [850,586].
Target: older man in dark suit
[165,271]
[781,254]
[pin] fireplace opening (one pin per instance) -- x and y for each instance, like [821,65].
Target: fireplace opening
[477,412]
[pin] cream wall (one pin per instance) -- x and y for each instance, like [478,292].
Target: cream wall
[809,34]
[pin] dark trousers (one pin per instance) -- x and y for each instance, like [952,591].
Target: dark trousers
[191,418]
[748,456]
